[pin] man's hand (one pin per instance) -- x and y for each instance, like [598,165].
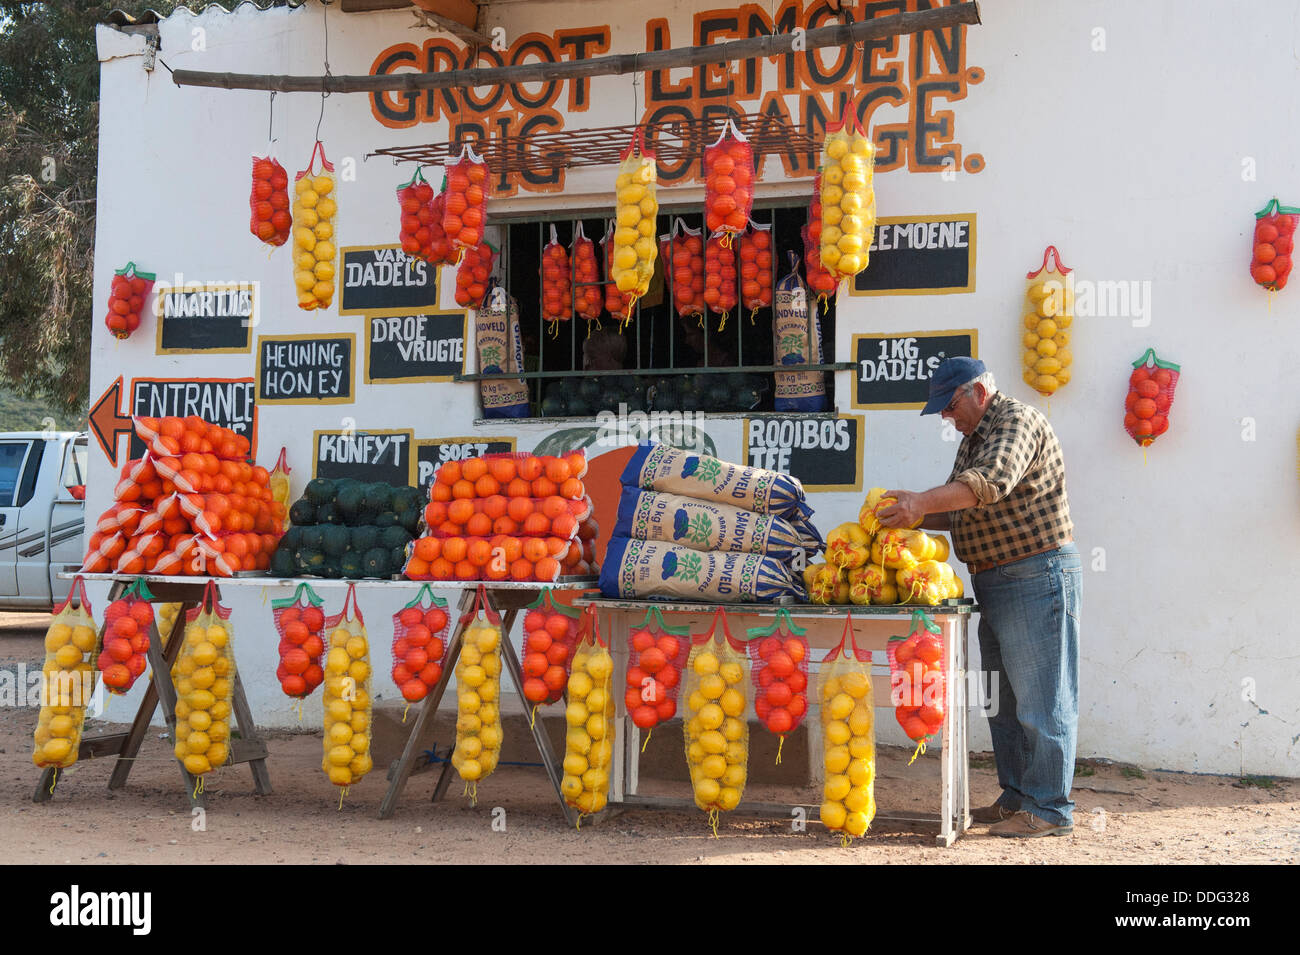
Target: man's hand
[907,512]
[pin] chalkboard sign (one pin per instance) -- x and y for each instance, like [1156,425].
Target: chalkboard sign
[365,455]
[893,371]
[384,280]
[920,255]
[432,453]
[212,319]
[306,369]
[409,348]
[229,402]
[824,453]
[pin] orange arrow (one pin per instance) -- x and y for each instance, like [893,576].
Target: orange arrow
[108,423]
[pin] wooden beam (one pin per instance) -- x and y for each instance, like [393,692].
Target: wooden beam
[461,11]
[840,35]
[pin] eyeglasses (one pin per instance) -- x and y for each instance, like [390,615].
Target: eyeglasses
[957,396]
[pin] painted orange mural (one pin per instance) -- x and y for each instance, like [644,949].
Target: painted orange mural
[911,80]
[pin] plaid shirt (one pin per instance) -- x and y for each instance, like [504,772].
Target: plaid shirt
[1013,464]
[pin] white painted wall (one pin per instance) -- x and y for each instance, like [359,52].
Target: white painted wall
[1128,159]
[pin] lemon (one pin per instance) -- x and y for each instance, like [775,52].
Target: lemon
[340,775]
[218,731]
[199,720]
[217,754]
[860,721]
[850,243]
[57,750]
[306,217]
[695,753]
[220,688]
[713,742]
[836,759]
[360,765]
[645,246]
[857,800]
[837,787]
[472,676]
[488,639]
[575,714]
[631,193]
[649,207]
[596,780]
[830,256]
[856,684]
[200,699]
[837,147]
[203,678]
[855,824]
[597,701]
[711,716]
[734,776]
[629,215]
[340,734]
[837,732]
[468,723]
[860,772]
[601,752]
[197,764]
[571,787]
[840,706]
[712,686]
[182,710]
[323,250]
[576,740]
[597,727]
[733,729]
[713,766]
[181,750]
[707,790]
[322,230]
[67,656]
[831,194]
[705,664]
[470,747]
[357,647]
[696,701]
[729,797]
[575,765]
[627,281]
[850,264]
[625,258]
[322,185]
[359,670]
[325,208]
[830,688]
[42,735]
[626,236]
[832,216]
[57,636]
[492,664]
[336,662]
[579,685]
[488,713]
[338,710]
[735,753]
[832,815]
[732,702]
[221,666]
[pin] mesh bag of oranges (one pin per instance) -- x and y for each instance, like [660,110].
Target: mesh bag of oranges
[917,680]
[419,642]
[1273,245]
[465,210]
[717,735]
[204,675]
[314,227]
[421,212]
[553,516]
[657,656]
[589,739]
[635,216]
[126,299]
[720,276]
[1049,312]
[300,622]
[848,738]
[557,288]
[728,183]
[268,202]
[1150,396]
[473,274]
[347,702]
[513,474]
[478,696]
[550,633]
[821,280]
[618,304]
[171,437]
[128,622]
[67,680]
[683,251]
[848,196]
[588,302]
[756,259]
[778,657]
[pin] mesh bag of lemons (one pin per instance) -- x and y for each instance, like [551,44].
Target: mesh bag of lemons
[716,732]
[589,739]
[314,210]
[1048,315]
[478,697]
[278,482]
[848,738]
[67,680]
[636,212]
[848,197]
[346,698]
[204,676]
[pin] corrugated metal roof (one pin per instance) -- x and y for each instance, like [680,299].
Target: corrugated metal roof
[120,18]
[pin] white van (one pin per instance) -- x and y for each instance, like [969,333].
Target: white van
[42,515]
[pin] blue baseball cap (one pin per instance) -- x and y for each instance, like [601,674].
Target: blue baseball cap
[951,374]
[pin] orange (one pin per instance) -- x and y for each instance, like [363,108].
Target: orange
[449,473]
[190,441]
[460,510]
[462,488]
[442,569]
[504,525]
[440,493]
[556,547]
[521,570]
[557,469]
[577,464]
[534,549]
[572,489]
[572,557]
[514,548]
[519,508]
[465,570]
[480,525]
[548,568]
[565,526]
[503,469]
[479,553]
[261,475]
[454,549]
[519,488]
[554,506]
[428,548]
[497,570]
[486,486]
[531,468]
[537,525]
[472,469]
[544,487]
[495,506]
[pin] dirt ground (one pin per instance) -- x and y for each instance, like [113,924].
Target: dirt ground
[1123,814]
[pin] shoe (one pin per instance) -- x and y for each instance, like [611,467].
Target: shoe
[1025,825]
[993,813]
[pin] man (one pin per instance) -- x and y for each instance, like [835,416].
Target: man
[1006,508]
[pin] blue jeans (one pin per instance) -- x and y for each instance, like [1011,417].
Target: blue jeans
[1029,643]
